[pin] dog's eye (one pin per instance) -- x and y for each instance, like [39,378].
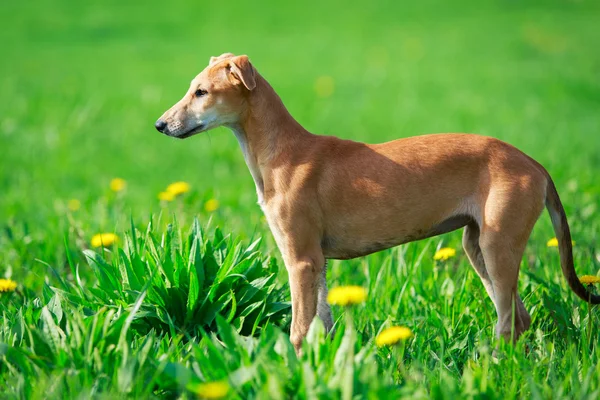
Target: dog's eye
[200,93]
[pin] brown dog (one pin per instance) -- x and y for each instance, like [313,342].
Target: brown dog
[326,197]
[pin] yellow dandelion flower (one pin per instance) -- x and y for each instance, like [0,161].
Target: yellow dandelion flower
[393,335]
[444,253]
[589,279]
[554,242]
[7,285]
[211,205]
[104,239]
[166,196]
[346,295]
[178,188]
[211,390]
[324,86]
[73,204]
[117,184]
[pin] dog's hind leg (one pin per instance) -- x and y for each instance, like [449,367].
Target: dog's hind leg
[509,220]
[502,261]
[323,309]
[471,246]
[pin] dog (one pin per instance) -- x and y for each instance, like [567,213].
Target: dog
[329,198]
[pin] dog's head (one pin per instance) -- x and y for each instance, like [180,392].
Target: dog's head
[217,96]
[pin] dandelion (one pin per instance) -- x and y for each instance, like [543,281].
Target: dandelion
[393,335]
[73,205]
[211,205]
[7,285]
[212,390]
[589,279]
[104,239]
[346,295]
[554,242]
[117,184]
[178,188]
[166,196]
[324,86]
[444,253]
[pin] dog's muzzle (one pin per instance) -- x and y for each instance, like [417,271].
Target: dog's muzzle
[174,129]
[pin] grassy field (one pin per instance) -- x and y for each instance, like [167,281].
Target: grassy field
[194,290]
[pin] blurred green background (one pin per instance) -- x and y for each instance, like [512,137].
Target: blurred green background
[81,84]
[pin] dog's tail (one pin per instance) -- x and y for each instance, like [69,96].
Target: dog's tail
[565,245]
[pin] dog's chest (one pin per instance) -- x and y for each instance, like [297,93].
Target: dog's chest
[252,166]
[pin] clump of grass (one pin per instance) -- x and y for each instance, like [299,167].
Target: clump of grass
[189,280]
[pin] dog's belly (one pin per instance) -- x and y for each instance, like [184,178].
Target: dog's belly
[344,246]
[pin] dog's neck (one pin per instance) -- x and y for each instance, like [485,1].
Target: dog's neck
[266,132]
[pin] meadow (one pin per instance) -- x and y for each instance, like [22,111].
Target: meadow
[191,300]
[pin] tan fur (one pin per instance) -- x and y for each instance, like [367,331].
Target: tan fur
[326,197]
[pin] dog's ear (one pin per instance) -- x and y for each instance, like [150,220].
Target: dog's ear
[241,70]
[220,58]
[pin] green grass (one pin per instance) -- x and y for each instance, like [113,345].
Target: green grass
[190,296]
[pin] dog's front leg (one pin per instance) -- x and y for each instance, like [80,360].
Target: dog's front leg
[305,274]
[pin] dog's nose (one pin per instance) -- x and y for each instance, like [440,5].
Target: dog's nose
[160,125]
